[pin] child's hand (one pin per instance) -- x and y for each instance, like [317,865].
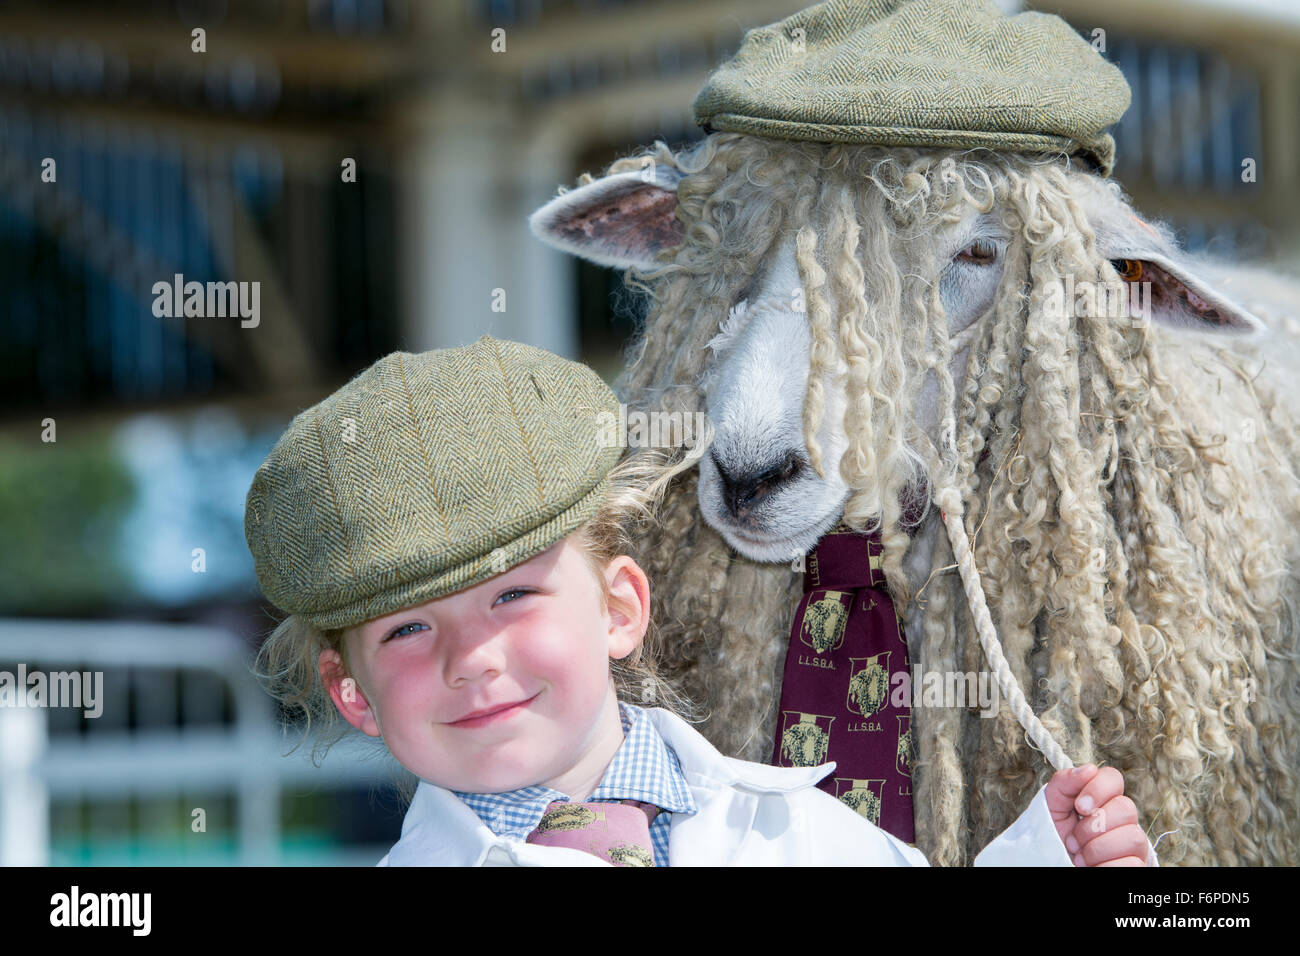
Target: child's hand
[1095,821]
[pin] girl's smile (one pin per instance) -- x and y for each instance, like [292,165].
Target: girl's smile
[493,715]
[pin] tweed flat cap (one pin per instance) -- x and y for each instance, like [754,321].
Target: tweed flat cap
[424,475]
[956,73]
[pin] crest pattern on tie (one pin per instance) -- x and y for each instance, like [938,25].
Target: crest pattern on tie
[618,832]
[846,643]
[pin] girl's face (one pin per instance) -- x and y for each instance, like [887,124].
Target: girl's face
[505,684]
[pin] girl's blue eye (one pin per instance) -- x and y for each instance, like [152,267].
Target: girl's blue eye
[398,632]
[402,631]
[513,591]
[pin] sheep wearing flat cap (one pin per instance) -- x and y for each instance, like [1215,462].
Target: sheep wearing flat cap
[872,326]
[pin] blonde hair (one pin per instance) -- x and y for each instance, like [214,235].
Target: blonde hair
[1130,550]
[287,662]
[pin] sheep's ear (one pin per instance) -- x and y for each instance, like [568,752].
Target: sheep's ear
[1179,293]
[621,220]
[1179,296]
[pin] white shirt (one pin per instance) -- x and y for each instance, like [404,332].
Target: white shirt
[750,814]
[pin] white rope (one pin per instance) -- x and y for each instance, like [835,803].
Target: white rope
[963,338]
[950,505]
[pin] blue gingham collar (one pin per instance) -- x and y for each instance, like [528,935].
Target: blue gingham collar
[645,768]
[440,829]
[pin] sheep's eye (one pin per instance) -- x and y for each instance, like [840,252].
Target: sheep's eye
[1130,270]
[981,252]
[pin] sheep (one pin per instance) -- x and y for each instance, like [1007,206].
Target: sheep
[868,688]
[870,329]
[824,624]
[864,802]
[804,743]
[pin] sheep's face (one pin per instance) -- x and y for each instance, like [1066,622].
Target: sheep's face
[757,485]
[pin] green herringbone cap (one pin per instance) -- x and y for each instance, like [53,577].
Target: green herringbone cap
[956,73]
[426,474]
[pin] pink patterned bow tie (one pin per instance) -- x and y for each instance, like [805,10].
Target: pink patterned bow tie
[618,832]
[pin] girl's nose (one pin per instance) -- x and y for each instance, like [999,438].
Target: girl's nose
[471,656]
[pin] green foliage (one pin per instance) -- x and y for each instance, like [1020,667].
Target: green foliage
[61,507]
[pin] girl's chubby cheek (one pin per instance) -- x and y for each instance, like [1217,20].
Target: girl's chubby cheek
[545,649]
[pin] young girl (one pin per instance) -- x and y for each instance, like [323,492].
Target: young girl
[449,533]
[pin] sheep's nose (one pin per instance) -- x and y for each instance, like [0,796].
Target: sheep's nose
[742,492]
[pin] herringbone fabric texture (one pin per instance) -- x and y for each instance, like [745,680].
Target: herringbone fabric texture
[956,73]
[424,475]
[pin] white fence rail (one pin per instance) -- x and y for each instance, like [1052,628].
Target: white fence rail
[244,756]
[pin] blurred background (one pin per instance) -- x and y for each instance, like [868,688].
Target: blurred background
[371,164]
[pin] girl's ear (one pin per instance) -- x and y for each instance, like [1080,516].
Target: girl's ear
[629,605]
[346,694]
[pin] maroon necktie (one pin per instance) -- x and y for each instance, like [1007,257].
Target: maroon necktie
[846,644]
